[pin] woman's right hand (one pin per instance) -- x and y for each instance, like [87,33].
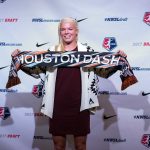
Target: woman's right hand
[15,52]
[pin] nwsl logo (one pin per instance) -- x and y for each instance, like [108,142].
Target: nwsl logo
[2,1]
[146,18]
[37,91]
[146,140]
[4,113]
[109,43]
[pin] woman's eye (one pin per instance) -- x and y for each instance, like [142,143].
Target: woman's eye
[62,29]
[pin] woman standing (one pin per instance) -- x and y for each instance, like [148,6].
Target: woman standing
[67,117]
[70,93]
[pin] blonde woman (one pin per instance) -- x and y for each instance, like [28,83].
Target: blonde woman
[68,98]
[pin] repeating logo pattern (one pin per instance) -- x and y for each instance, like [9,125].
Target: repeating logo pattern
[146,140]
[109,43]
[146,18]
[2,1]
[4,113]
[37,90]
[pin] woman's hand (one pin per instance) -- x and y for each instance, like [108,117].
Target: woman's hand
[15,52]
[122,53]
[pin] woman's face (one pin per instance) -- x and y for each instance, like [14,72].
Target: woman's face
[68,32]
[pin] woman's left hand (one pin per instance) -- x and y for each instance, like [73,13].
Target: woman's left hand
[122,53]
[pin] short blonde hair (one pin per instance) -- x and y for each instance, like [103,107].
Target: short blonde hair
[60,46]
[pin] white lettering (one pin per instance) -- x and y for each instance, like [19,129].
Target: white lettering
[106,60]
[74,58]
[96,59]
[37,60]
[65,58]
[114,60]
[26,59]
[47,58]
[56,57]
[87,59]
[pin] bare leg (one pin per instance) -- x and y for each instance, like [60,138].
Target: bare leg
[59,142]
[80,142]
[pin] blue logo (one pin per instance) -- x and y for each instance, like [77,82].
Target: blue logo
[109,43]
[4,113]
[45,20]
[8,90]
[2,1]
[116,19]
[140,69]
[10,44]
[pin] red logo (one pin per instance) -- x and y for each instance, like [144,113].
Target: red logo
[4,112]
[146,18]
[146,44]
[1,112]
[146,140]
[11,19]
[37,90]
[109,43]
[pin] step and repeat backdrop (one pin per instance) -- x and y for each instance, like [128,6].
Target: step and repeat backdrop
[123,119]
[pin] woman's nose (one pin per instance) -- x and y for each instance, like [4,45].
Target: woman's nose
[66,31]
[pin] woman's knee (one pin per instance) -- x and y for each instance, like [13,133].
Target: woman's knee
[59,142]
[80,142]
